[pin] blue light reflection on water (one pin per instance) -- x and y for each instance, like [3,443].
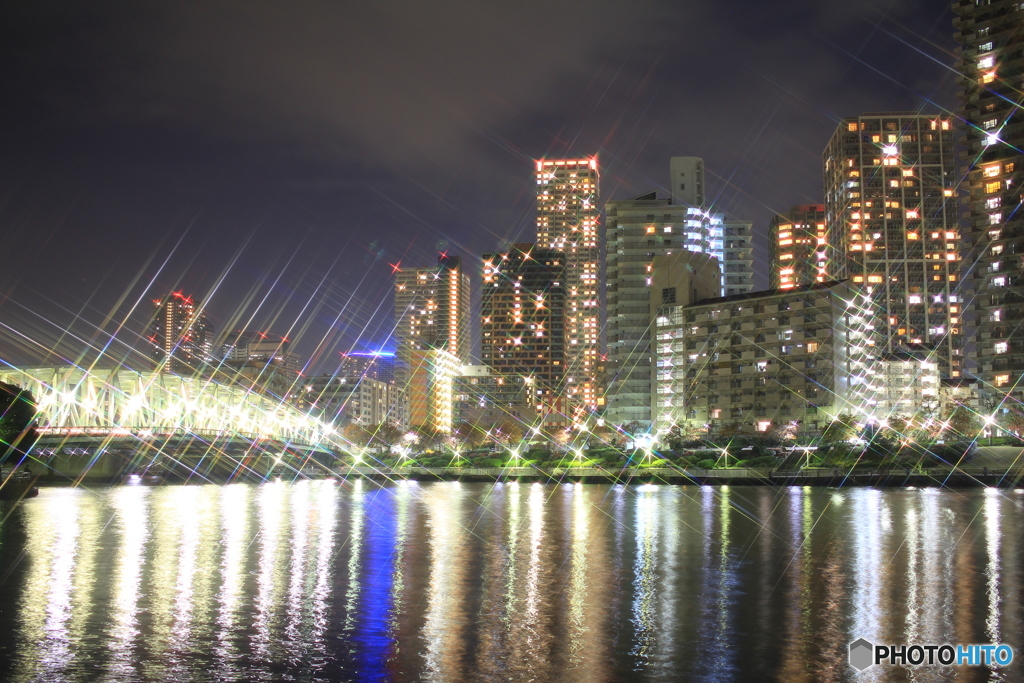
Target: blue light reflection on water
[318,581]
[374,635]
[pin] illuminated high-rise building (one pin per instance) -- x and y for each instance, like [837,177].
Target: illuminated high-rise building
[182,336]
[432,315]
[800,249]
[432,308]
[991,65]
[638,230]
[378,365]
[523,307]
[889,199]
[567,221]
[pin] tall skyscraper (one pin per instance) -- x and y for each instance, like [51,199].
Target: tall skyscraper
[800,249]
[432,330]
[182,337]
[523,311]
[637,231]
[567,221]
[889,198]
[991,65]
[432,309]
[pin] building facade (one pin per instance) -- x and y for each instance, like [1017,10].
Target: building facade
[735,255]
[800,249]
[638,231]
[889,180]
[347,399]
[263,363]
[487,400]
[905,385]
[523,322]
[431,314]
[181,335]
[568,217]
[991,64]
[431,389]
[775,360]
[379,365]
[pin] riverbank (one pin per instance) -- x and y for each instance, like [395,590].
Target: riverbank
[900,477]
[995,466]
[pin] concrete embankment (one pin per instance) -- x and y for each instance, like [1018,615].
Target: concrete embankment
[958,477]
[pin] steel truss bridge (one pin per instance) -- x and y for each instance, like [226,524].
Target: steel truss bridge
[101,422]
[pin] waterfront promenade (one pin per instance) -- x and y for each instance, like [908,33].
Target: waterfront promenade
[992,466]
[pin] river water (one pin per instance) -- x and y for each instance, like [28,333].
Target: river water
[334,581]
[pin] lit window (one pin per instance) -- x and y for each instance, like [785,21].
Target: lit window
[1000,347]
[989,124]
[992,171]
[1002,380]
[993,202]
[993,186]
[991,139]
[984,47]
[989,77]
[987,61]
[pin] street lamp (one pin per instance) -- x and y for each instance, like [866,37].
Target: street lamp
[990,422]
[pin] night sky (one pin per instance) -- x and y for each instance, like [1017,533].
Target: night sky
[273,158]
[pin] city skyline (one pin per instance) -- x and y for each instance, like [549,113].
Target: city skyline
[130,182]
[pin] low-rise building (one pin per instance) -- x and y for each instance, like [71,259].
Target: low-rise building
[487,400]
[781,359]
[345,399]
[430,389]
[904,384]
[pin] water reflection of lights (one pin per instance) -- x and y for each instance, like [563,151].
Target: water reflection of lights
[489,576]
[132,517]
[644,573]
[299,542]
[234,524]
[355,550]
[578,627]
[442,628]
[270,504]
[47,603]
[992,546]
[867,519]
[327,504]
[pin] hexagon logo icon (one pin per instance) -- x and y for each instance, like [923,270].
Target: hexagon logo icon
[861,652]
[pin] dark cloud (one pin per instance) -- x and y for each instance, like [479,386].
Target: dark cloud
[273,157]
